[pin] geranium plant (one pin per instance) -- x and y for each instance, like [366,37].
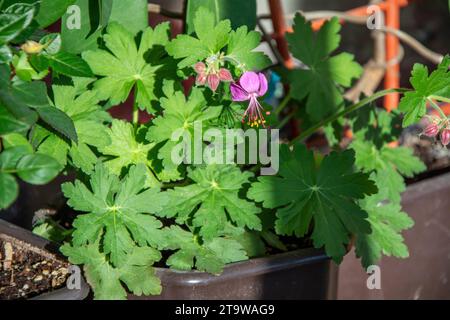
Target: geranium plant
[136,205]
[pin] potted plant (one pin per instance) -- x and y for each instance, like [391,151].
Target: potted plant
[172,193]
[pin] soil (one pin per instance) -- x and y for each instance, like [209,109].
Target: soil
[27,271]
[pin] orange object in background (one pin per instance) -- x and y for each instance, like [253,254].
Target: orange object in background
[392,76]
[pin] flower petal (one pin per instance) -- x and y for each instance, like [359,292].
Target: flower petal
[262,84]
[213,81]
[200,67]
[250,82]
[238,93]
[225,75]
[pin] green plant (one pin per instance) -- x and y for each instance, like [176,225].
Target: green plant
[135,202]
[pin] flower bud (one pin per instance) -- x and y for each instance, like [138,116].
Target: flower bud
[432,130]
[225,75]
[31,47]
[445,136]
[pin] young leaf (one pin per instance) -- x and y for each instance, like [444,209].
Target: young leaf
[386,221]
[125,67]
[118,210]
[413,103]
[212,38]
[135,271]
[322,82]
[327,195]
[213,198]
[126,150]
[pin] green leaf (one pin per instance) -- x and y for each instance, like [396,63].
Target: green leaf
[52,231]
[24,70]
[14,140]
[135,271]
[328,196]
[387,221]
[5,54]
[10,157]
[413,103]
[14,20]
[88,118]
[14,106]
[69,64]
[239,12]
[389,164]
[95,15]
[241,47]
[211,256]
[117,209]
[38,168]
[10,190]
[132,14]
[124,148]
[9,124]
[326,75]
[212,200]
[212,37]
[125,67]
[194,115]
[34,94]
[51,10]
[91,20]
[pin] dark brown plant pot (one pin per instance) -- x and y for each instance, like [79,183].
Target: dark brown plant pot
[32,268]
[300,274]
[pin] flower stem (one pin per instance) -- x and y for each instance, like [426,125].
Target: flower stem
[436,107]
[283,103]
[285,120]
[135,111]
[439,98]
[305,134]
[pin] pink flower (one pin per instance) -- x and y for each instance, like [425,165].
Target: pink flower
[250,87]
[432,130]
[445,136]
[210,76]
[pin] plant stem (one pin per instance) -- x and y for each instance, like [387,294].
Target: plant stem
[439,98]
[305,134]
[283,103]
[285,120]
[436,107]
[135,112]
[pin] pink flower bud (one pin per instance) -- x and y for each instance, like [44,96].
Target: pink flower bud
[225,75]
[200,80]
[213,81]
[431,130]
[445,136]
[200,67]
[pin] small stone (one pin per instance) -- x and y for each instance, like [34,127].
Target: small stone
[26,287]
[45,272]
[38,278]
